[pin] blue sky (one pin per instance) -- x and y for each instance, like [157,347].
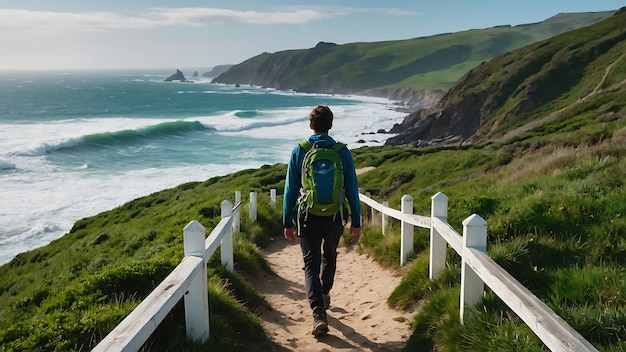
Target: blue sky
[89,34]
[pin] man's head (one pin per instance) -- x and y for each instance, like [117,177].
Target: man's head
[321,119]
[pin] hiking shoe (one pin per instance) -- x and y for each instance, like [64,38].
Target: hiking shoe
[326,298]
[320,324]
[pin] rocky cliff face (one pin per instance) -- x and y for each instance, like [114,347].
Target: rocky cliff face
[455,118]
[414,99]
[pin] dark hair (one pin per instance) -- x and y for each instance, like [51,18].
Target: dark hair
[321,118]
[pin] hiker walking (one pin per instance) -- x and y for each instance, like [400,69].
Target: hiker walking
[320,178]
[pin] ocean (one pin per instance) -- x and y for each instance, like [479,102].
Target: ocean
[74,144]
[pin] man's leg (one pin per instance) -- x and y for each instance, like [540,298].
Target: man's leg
[333,229]
[310,243]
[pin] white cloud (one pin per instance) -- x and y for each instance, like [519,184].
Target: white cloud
[197,16]
[14,20]
[50,22]
[399,12]
[63,22]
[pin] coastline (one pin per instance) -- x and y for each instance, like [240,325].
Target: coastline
[109,155]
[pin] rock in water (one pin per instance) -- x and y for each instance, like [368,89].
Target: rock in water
[178,76]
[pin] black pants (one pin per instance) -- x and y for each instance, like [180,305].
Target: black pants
[319,236]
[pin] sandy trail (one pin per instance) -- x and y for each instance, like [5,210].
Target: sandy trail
[359,319]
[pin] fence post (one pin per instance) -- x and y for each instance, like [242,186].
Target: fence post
[197,297]
[273,198]
[227,240]
[383,218]
[406,244]
[253,206]
[371,214]
[438,245]
[474,236]
[236,215]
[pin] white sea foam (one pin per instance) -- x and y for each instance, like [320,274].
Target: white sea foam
[43,198]
[48,208]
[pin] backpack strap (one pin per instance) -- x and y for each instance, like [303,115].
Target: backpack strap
[337,146]
[306,145]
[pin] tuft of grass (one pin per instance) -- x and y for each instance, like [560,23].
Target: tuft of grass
[385,249]
[414,285]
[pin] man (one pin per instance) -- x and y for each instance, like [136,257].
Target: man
[319,232]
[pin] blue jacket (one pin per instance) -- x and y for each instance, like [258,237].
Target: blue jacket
[293,181]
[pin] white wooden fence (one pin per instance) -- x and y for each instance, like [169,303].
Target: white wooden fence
[189,278]
[478,269]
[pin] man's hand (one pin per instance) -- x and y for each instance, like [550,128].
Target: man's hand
[355,234]
[290,233]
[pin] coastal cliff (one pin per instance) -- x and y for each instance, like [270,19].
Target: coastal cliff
[417,70]
[522,89]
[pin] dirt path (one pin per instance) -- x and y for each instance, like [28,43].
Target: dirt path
[359,319]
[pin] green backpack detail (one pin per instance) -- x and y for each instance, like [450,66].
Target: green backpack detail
[322,190]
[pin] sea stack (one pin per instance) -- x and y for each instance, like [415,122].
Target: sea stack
[178,76]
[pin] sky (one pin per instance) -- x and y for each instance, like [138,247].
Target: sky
[170,34]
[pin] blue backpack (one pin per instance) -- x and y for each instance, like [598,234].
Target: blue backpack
[322,191]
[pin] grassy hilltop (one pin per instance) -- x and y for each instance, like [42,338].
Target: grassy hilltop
[395,68]
[552,191]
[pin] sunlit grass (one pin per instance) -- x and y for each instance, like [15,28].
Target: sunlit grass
[556,224]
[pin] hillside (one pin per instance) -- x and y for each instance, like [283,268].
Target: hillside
[547,84]
[417,69]
[216,71]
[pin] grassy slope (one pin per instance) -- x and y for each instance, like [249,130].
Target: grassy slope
[555,221]
[67,295]
[434,62]
[548,76]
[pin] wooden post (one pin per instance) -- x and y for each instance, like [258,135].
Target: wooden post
[197,297]
[406,244]
[371,215]
[236,215]
[253,206]
[227,240]
[273,198]
[474,236]
[383,218]
[438,245]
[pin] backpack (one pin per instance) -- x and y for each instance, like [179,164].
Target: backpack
[322,190]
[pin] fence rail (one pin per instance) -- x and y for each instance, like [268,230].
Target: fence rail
[478,269]
[189,278]
[187,281]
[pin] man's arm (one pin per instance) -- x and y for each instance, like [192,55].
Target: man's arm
[292,188]
[351,185]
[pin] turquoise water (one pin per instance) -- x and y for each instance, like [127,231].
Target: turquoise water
[74,144]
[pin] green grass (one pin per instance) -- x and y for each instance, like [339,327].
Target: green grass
[555,214]
[69,294]
[555,222]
